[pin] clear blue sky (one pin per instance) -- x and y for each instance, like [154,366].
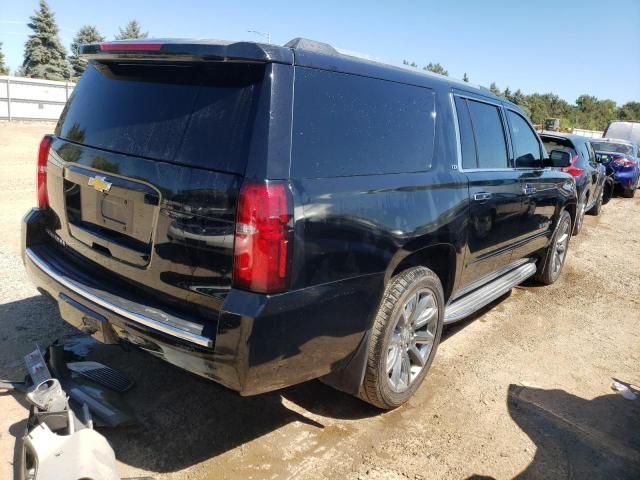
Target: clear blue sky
[566,47]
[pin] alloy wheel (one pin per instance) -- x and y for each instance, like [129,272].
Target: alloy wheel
[581,212]
[411,339]
[560,247]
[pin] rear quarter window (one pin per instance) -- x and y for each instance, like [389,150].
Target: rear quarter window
[350,125]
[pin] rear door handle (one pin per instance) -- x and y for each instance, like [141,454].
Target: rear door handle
[479,197]
[529,190]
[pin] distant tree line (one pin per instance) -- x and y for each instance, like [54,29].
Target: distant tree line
[588,112]
[46,57]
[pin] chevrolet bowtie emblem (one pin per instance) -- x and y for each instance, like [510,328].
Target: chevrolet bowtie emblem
[99,183]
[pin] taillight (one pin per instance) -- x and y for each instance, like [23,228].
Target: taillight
[573,170]
[129,47]
[262,249]
[41,176]
[624,162]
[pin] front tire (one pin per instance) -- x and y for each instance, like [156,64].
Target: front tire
[556,253]
[629,192]
[404,338]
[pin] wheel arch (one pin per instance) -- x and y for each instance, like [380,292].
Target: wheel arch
[441,258]
[571,208]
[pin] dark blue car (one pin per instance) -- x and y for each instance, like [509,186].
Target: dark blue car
[622,162]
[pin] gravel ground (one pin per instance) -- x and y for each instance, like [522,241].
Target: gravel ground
[520,390]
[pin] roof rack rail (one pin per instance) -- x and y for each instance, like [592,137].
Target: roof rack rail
[299,43]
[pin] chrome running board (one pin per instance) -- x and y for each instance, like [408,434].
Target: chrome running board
[475,300]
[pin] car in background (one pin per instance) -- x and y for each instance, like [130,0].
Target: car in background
[620,158]
[628,130]
[591,178]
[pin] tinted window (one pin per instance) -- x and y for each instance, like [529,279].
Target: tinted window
[551,144]
[350,125]
[592,155]
[584,154]
[489,134]
[467,142]
[197,114]
[612,147]
[525,142]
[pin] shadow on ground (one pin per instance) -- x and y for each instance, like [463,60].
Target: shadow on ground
[577,438]
[184,419]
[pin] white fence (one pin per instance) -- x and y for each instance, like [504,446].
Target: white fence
[588,133]
[31,99]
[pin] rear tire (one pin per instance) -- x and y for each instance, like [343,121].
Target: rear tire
[629,192]
[404,338]
[556,253]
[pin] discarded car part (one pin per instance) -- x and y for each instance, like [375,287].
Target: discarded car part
[59,442]
[99,373]
[48,396]
[37,367]
[83,454]
[106,414]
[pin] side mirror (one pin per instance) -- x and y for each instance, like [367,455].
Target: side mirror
[558,159]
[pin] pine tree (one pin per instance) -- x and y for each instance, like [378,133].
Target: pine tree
[4,70]
[131,30]
[465,78]
[44,55]
[494,89]
[87,34]
[436,68]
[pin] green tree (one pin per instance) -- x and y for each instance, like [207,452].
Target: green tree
[87,34]
[520,99]
[436,68]
[44,55]
[494,89]
[131,31]
[629,111]
[4,70]
[465,77]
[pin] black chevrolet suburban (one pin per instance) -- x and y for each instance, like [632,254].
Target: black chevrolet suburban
[264,215]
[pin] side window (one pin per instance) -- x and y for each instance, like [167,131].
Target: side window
[592,155]
[347,125]
[583,157]
[467,142]
[489,134]
[525,142]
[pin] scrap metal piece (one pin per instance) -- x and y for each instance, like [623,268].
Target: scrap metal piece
[48,396]
[83,454]
[100,373]
[37,367]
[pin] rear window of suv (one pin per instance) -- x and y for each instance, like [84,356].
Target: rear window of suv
[196,114]
[350,125]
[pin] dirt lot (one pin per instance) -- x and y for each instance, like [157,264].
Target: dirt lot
[522,389]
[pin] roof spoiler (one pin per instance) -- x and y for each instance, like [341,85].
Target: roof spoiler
[187,50]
